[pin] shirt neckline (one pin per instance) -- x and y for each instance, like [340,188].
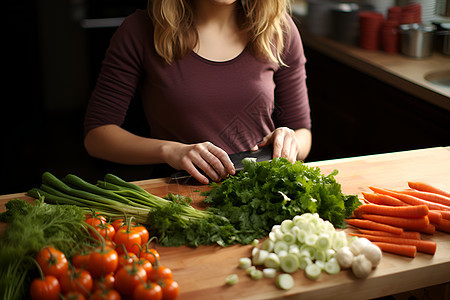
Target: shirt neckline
[218,63]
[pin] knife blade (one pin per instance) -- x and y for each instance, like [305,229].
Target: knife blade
[262,154]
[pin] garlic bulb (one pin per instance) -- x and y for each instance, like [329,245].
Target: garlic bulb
[372,253]
[344,257]
[361,266]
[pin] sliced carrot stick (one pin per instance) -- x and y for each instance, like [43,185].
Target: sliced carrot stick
[435,217]
[436,198]
[422,245]
[405,235]
[368,224]
[444,213]
[425,187]
[382,199]
[405,223]
[408,211]
[405,250]
[430,229]
[444,226]
[410,199]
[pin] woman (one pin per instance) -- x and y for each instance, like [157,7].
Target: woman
[216,77]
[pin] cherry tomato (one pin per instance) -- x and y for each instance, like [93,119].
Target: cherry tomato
[150,254]
[106,230]
[148,267]
[95,220]
[143,232]
[129,238]
[104,282]
[126,259]
[118,223]
[148,291]
[108,294]
[46,288]
[161,273]
[170,289]
[81,260]
[128,278]
[77,280]
[74,296]
[103,261]
[52,262]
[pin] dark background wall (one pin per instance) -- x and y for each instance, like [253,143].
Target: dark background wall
[52,62]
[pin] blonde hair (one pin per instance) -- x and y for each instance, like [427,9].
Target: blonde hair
[175,34]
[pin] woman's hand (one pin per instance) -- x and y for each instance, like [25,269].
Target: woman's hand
[212,160]
[291,144]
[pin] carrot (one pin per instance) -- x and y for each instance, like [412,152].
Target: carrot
[444,213]
[434,217]
[377,198]
[368,224]
[405,223]
[405,235]
[409,211]
[408,199]
[425,187]
[422,245]
[405,250]
[430,229]
[432,197]
[444,226]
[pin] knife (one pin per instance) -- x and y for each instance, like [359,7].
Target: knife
[262,154]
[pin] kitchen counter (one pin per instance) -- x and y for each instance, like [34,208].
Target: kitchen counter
[400,71]
[201,271]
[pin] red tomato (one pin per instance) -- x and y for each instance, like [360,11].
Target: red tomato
[161,273]
[128,278]
[81,260]
[105,295]
[74,296]
[170,289]
[118,223]
[77,280]
[143,232]
[47,288]
[148,291]
[104,282]
[148,267]
[129,238]
[106,230]
[150,254]
[95,220]
[103,261]
[52,262]
[127,259]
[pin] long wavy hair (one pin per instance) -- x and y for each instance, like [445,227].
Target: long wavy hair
[264,20]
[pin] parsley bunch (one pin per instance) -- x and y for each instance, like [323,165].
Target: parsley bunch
[266,193]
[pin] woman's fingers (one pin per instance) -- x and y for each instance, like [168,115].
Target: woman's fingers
[213,161]
[284,143]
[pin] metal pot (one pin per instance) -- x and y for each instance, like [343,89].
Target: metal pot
[443,38]
[416,40]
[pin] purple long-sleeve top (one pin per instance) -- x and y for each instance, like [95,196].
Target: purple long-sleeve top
[232,104]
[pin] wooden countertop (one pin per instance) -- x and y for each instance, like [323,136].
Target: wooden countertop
[400,71]
[201,272]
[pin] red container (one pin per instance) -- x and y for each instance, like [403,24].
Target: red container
[369,29]
[390,36]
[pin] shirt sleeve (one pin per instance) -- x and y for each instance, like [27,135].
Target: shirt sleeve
[119,76]
[291,95]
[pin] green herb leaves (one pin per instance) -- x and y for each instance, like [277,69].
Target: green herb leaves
[265,193]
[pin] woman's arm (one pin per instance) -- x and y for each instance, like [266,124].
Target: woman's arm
[111,142]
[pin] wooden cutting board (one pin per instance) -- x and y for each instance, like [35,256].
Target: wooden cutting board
[201,272]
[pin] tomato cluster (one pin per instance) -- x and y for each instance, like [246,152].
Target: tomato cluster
[123,266]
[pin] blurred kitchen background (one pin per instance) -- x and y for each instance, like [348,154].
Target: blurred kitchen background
[54,50]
